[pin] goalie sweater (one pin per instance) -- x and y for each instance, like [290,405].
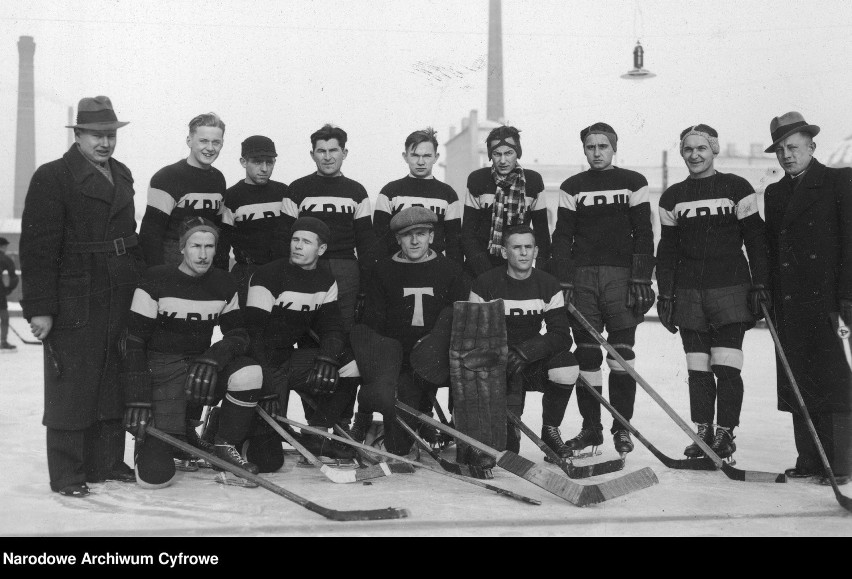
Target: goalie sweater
[176,313]
[176,192]
[284,302]
[528,303]
[432,194]
[704,224]
[404,298]
[256,222]
[604,217]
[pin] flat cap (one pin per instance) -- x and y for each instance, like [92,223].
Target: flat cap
[413,217]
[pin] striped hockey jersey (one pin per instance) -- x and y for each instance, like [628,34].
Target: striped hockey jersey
[255,223]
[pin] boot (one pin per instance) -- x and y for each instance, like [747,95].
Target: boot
[705,433]
[7,348]
[586,437]
[201,443]
[480,459]
[622,441]
[553,438]
[229,453]
[362,423]
[723,442]
[321,446]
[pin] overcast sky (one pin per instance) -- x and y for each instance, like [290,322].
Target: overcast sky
[382,68]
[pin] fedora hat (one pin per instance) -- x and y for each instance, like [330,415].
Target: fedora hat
[95,113]
[787,124]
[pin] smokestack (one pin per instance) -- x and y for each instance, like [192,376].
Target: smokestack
[25,144]
[494,111]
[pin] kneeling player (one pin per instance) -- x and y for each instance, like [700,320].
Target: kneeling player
[288,299]
[536,361]
[168,359]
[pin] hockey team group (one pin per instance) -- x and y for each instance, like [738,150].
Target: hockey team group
[365,313]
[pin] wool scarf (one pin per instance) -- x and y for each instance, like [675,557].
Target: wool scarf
[510,205]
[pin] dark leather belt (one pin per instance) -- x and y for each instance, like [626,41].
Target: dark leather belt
[118,246]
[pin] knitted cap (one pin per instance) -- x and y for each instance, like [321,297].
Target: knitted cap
[705,131]
[195,224]
[313,225]
[413,217]
[258,146]
[601,129]
[500,134]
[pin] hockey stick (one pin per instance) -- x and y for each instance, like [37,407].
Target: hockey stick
[730,471]
[567,466]
[334,515]
[575,493]
[394,468]
[408,461]
[449,466]
[23,339]
[845,502]
[337,475]
[703,463]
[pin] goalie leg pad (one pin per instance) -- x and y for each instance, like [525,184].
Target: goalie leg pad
[264,450]
[430,356]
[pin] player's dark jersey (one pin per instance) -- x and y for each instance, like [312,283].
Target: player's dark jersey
[432,194]
[476,226]
[528,303]
[344,206]
[284,302]
[255,222]
[179,191]
[404,298]
[604,217]
[176,313]
[704,224]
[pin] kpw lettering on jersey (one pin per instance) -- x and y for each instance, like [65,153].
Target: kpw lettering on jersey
[704,208]
[258,211]
[531,307]
[201,201]
[594,198]
[418,293]
[301,301]
[190,310]
[328,205]
[437,206]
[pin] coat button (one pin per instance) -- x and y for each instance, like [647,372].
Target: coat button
[785,264]
[783,232]
[813,256]
[787,298]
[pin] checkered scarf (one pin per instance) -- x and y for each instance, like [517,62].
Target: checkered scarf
[511,198]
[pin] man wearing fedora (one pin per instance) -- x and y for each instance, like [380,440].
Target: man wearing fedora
[809,227]
[80,264]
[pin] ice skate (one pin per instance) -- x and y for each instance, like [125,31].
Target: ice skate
[723,444]
[587,437]
[622,441]
[229,453]
[360,426]
[323,447]
[705,433]
[553,438]
[7,348]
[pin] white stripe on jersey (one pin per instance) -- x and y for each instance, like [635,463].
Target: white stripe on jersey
[567,201]
[524,307]
[364,209]
[227,216]
[747,206]
[383,204]
[481,202]
[159,199]
[640,196]
[201,201]
[557,301]
[143,304]
[610,197]
[704,208]
[329,205]
[259,297]
[183,309]
[437,206]
[301,301]
[258,211]
[667,217]
[454,211]
[234,304]
[289,208]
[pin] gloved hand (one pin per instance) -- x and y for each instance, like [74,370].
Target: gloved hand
[200,385]
[136,417]
[269,404]
[360,304]
[516,362]
[567,292]
[846,311]
[665,309]
[322,379]
[758,294]
[640,297]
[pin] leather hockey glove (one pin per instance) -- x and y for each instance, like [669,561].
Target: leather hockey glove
[136,417]
[640,296]
[516,361]
[200,385]
[665,309]
[758,294]
[322,379]
[269,404]
[138,401]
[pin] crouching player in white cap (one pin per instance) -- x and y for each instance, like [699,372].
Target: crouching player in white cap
[168,360]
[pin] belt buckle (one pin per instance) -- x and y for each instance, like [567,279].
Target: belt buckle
[119,246]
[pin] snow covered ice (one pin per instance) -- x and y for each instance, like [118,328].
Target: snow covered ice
[684,503]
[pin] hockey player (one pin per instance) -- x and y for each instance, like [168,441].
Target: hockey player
[603,256]
[500,197]
[168,358]
[536,361]
[288,298]
[707,288]
[421,189]
[254,221]
[190,187]
[407,293]
[7,266]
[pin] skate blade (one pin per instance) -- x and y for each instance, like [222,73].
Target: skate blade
[596,451]
[342,463]
[186,465]
[227,478]
[204,464]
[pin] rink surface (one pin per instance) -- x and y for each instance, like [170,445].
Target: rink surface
[684,503]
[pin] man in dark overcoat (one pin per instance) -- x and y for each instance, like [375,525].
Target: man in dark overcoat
[809,229]
[80,263]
